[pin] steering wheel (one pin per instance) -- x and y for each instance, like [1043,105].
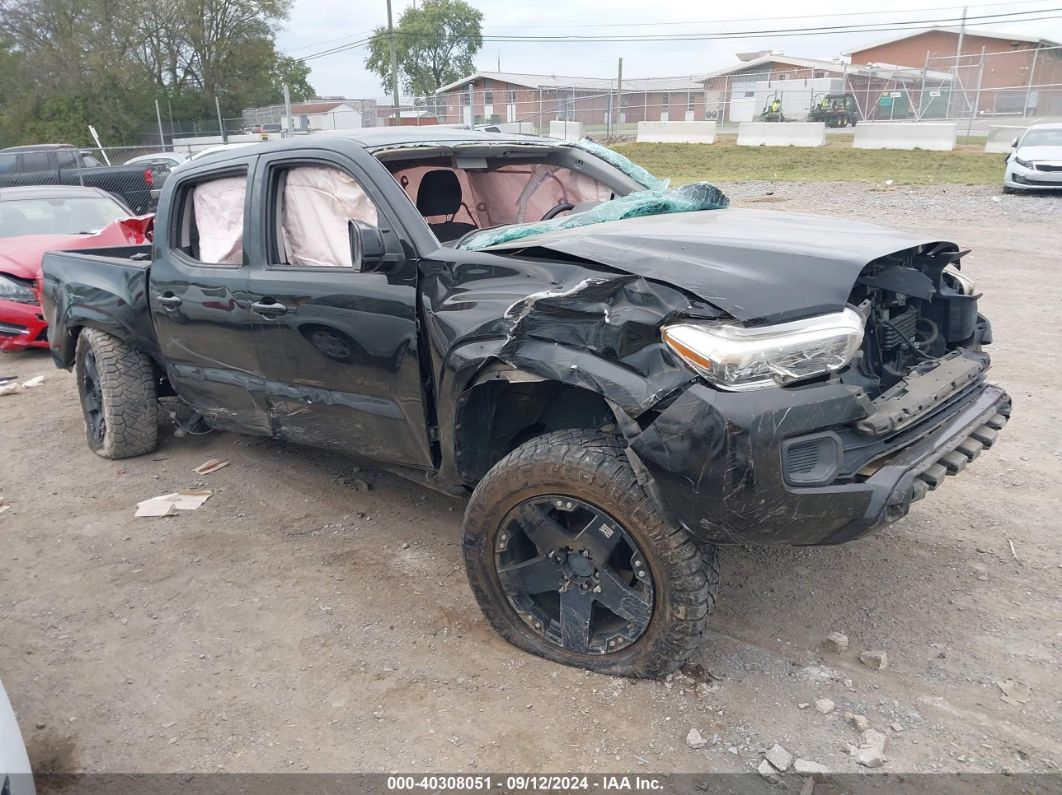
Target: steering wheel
[552,212]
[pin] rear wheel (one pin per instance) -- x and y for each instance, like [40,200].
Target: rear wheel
[570,559]
[119,398]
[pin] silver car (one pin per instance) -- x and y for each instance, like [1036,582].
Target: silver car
[1036,162]
[15,775]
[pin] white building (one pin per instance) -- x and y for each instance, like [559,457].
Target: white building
[332,115]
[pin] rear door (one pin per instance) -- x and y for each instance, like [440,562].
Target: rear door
[338,343]
[199,301]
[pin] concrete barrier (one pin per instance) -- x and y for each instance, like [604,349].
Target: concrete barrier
[676,132]
[190,146]
[522,127]
[937,136]
[566,130]
[1000,138]
[784,133]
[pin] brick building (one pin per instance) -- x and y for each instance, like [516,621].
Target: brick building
[501,97]
[738,93]
[1022,75]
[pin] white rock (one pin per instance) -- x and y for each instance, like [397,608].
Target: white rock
[694,739]
[768,772]
[824,706]
[874,739]
[37,380]
[780,758]
[806,767]
[803,705]
[869,757]
[860,722]
[809,787]
[837,642]
[877,660]
[896,726]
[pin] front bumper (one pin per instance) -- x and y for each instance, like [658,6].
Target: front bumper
[22,326]
[713,461]
[1020,178]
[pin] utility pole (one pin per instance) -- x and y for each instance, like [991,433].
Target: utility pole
[158,117]
[394,64]
[221,124]
[619,97]
[290,124]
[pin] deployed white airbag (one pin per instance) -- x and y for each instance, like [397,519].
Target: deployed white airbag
[316,204]
[218,206]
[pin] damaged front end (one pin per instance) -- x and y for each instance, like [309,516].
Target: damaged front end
[825,459]
[771,388]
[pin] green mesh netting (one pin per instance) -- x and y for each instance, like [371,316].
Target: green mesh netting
[687,199]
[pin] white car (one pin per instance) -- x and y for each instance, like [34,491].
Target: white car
[171,159]
[15,775]
[1036,162]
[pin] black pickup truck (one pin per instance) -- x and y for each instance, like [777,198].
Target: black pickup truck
[623,376]
[61,164]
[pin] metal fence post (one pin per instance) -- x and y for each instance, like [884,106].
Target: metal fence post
[977,93]
[1028,87]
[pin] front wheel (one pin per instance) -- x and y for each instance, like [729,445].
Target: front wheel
[119,397]
[569,559]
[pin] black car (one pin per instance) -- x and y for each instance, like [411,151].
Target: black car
[623,377]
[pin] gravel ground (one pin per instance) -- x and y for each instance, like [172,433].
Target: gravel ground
[295,622]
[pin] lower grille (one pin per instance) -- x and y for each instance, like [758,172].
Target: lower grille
[11,329]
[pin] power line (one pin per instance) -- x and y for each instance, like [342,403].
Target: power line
[884,27]
[772,19]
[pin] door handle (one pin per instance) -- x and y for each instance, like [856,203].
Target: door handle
[269,308]
[169,301]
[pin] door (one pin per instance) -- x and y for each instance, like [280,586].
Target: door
[337,341]
[198,299]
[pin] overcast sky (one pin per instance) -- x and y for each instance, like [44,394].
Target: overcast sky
[317,25]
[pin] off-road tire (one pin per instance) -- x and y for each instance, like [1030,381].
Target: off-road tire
[128,396]
[593,467]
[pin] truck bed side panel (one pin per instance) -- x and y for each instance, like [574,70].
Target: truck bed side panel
[108,293]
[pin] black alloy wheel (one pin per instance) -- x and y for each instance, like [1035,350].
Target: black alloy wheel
[574,575]
[92,399]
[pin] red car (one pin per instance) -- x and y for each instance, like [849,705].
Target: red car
[51,218]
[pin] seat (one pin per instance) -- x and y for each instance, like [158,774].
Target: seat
[440,194]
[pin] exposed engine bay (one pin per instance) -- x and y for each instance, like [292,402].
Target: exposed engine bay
[918,307]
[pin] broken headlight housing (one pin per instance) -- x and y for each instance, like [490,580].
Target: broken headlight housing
[14,289]
[741,358]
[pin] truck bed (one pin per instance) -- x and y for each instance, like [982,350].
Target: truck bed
[108,286]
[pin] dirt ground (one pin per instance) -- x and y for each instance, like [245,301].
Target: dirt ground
[296,623]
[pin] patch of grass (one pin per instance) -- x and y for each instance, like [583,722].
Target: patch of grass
[725,161]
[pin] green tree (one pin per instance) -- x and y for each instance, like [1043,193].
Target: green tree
[436,44]
[66,64]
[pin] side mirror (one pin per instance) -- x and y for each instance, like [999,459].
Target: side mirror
[366,246]
[1014,144]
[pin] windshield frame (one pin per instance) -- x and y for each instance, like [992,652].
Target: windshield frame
[565,154]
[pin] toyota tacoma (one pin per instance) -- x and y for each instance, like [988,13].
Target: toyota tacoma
[622,376]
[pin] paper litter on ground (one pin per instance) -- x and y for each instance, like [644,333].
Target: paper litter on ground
[213,465]
[170,504]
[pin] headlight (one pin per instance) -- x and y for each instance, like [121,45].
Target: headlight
[17,289]
[1022,163]
[741,358]
[961,283]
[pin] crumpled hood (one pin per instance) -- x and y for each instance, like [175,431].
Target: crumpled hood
[1037,154]
[756,265]
[21,256]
